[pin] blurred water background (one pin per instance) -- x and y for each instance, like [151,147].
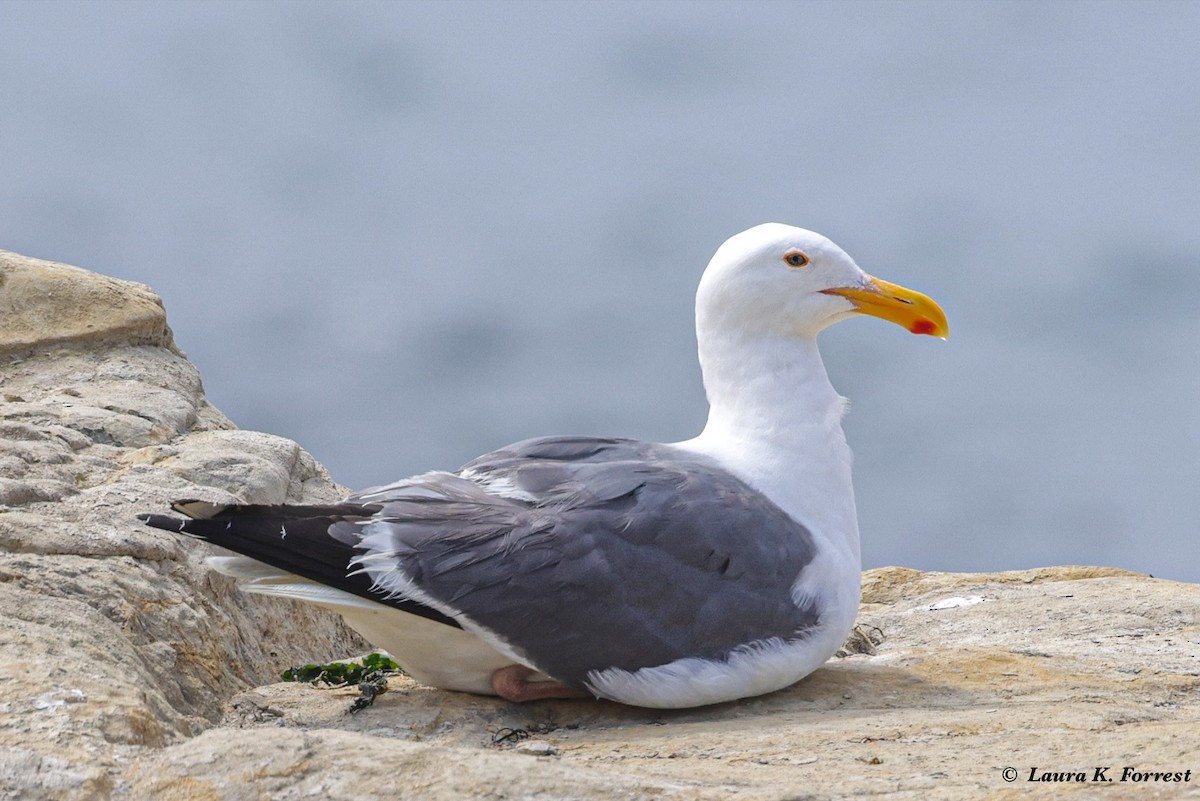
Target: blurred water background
[404,233]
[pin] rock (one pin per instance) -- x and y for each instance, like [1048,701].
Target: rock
[43,303]
[128,670]
[114,636]
[537,748]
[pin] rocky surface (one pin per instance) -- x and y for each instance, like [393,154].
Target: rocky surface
[128,670]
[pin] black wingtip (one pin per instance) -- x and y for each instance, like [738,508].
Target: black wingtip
[165,522]
[191,508]
[311,549]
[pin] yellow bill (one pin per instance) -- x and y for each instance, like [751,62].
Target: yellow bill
[892,302]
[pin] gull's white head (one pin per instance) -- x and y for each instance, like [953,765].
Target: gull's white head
[776,280]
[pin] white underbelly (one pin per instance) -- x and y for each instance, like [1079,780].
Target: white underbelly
[432,653]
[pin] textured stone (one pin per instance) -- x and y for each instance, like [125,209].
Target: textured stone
[130,671]
[114,635]
[43,303]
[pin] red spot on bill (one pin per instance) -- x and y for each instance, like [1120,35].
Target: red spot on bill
[922,327]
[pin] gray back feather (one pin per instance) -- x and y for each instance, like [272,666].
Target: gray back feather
[599,553]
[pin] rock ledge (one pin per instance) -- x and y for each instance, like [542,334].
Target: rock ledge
[127,670]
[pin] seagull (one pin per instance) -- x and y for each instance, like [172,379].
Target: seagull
[655,575]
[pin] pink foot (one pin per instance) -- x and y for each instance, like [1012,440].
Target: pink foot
[511,683]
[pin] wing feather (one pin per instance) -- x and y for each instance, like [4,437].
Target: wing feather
[621,554]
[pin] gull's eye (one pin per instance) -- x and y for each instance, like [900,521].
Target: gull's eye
[796,258]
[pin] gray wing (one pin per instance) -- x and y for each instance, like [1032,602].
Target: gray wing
[592,553]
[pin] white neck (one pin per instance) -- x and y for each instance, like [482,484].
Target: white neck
[775,421]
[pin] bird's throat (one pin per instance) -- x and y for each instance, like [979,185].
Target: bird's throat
[775,420]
